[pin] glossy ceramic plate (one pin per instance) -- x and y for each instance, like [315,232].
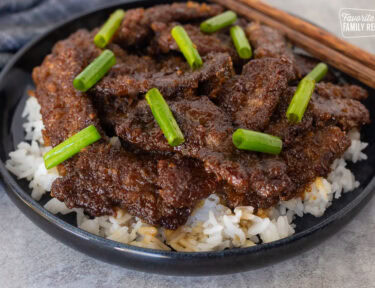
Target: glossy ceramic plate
[15,80]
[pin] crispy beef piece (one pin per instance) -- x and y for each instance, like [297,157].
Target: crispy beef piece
[269,183]
[217,69]
[183,181]
[252,97]
[346,113]
[280,126]
[312,154]
[338,105]
[332,108]
[204,126]
[268,176]
[304,64]
[135,29]
[219,42]
[106,177]
[281,178]
[329,90]
[102,177]
[171,75]
[268,42]
[54,80]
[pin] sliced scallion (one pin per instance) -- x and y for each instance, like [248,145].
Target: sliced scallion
[240,42]
[109,28]
[300,100]
[187,47]
[164,117]
[256,141]
[94,71]
[71,146]
[318,72]
[218,22]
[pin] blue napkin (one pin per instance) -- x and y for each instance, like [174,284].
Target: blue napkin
[22,20]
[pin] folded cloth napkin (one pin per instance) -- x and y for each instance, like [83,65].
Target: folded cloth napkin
[22,20]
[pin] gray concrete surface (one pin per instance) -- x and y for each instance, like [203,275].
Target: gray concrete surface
[31,258]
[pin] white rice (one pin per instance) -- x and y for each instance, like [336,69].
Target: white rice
[211,227]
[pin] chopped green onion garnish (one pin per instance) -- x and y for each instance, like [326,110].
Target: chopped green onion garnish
[256,141]
[218,22]
[109,28]
[163,115]
[240,42]
[94,71]
[71,146]
[300,100]
[305,89]
[318,72]
[187,47]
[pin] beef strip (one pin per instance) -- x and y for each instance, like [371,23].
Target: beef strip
[339,105]
[280,126]
[62,66]
[268,182]
[347,113]
[103,176]
[332,108]
[183,182]
[251,98]
[307,151]
[268,42]
[312,154]
[171,75]
[204,126]
[304,64]
[135,29]
[329,90]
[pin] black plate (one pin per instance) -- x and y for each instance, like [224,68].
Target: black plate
[15,80]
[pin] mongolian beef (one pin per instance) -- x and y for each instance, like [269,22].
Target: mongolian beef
[160,183]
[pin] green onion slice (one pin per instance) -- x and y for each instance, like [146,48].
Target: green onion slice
[256,141]
[300,100]
[318,72]
[71,146]
[94,71]
[164,117]
[109,28]
[218,22]
[187,47]
[240,42]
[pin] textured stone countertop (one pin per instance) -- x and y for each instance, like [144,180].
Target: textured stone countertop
[31,258]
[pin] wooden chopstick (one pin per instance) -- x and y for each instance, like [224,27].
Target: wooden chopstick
[313,32]
[332,57]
